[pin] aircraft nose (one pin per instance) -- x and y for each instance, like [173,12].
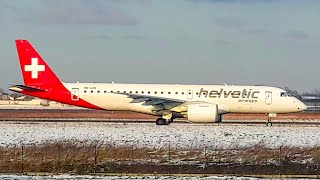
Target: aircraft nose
[301,106]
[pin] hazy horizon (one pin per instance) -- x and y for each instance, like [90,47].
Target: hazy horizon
[238,42]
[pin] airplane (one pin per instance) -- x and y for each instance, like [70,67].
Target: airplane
[196,103]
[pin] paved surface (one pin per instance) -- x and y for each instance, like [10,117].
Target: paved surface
[85,115]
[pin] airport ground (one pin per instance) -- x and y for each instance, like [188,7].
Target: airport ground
[48,114]
[41,140]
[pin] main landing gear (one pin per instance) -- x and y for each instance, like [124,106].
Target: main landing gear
[162,121]
[166,119]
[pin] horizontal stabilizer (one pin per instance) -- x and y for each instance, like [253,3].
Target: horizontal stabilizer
[19,88]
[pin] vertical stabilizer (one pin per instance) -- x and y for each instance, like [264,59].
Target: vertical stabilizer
[34,69]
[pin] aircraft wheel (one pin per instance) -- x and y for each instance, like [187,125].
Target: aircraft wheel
[161,121]
[269,124]
[170,121]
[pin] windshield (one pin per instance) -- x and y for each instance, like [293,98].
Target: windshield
[285,94]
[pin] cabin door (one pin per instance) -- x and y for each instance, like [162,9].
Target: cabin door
[268,97]
[75,94]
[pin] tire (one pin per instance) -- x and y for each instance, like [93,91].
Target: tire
[161,121]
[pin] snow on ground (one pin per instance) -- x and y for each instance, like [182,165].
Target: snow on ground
[67,177]
[183,136]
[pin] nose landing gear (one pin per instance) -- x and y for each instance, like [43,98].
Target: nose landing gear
[270,115]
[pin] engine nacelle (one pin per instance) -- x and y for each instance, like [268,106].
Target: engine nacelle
[202,113]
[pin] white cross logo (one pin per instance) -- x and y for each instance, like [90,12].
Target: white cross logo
[34,68]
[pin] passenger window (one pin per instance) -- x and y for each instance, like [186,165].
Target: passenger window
[130,92]
[169,92]
[98,91]
[136,92]
[85,91]
[91,91]
[105,91]
[176,92]
[111,91]
[155,92]
[148,92]
[124,91]
[182,93]
[161,92]
[142,92]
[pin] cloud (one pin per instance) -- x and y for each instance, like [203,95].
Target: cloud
[223,42]
[4,5]
[110,36]
[100,37]
[6,10]
[133,37]
[230,22]
[77,12]
[234,1]
[237,25]
[296,34]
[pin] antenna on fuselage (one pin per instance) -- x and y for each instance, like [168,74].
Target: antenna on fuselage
[112,82]
[225,84]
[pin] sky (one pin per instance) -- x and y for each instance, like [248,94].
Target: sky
[237,42]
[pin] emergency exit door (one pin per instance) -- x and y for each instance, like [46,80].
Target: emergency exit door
[189,94]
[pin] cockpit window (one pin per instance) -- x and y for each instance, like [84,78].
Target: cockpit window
[285,94]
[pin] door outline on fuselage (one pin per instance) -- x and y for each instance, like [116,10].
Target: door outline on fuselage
[75,94]
[189,94]
[268,97]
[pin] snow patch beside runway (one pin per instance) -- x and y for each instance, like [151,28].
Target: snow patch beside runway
[182,136]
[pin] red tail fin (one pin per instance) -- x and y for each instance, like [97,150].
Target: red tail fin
[34,69]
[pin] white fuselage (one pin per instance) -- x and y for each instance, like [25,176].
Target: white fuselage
[230,99]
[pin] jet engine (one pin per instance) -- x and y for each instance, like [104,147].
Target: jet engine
[202,113]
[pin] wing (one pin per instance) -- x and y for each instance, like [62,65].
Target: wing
[166,104]
[158,103]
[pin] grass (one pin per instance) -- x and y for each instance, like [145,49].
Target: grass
[84,158]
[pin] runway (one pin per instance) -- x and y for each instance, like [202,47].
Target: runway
[151,121]
[85,115]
